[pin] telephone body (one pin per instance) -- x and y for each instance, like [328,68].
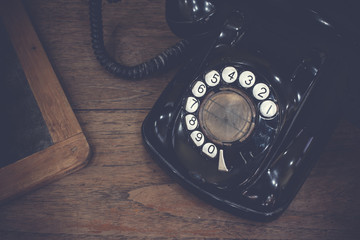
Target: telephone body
[242,123]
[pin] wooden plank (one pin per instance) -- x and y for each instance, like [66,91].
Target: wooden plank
[124,194]
[42,167]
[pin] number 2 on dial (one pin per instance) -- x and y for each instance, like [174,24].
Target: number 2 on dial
[261,91]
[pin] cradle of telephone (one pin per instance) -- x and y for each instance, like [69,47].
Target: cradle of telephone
[242,124]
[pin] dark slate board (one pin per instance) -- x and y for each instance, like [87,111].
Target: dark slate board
[22,128]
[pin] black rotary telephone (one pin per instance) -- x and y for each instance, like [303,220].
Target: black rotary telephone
[243,122]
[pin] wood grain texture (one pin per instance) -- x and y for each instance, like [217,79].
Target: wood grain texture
[68,149]
[44,166]
[122,193]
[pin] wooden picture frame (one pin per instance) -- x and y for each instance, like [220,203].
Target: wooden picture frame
[69,150]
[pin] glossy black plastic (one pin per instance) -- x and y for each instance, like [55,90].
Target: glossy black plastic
[189,19]
[304,61]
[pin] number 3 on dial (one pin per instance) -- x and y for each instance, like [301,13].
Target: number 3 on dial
[247,79]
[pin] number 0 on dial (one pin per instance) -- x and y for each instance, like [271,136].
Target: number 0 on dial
[210,150]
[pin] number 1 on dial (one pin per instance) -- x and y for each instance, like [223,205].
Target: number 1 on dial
[268,108]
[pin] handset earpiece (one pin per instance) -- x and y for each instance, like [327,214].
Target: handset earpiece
[192,19]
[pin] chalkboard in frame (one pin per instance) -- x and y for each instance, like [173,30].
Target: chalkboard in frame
[40,137]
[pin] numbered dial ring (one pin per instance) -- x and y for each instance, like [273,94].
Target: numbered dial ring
[224,106]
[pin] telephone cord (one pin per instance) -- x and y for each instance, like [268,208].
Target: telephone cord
[160,63]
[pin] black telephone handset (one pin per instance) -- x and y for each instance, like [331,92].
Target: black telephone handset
[242,124]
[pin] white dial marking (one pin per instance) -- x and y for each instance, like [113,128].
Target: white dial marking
[261,91]
[191,122]
[229,74]
[192,104]
[212,78]
[197,137]
[247,79]
[268,108]
[210,150]
[199,89]
[222,165]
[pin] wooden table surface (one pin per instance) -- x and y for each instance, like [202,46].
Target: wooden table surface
[122,193]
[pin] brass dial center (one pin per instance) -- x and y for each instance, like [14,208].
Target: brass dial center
[227,116]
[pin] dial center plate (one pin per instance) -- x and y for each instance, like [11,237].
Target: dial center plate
[227,116]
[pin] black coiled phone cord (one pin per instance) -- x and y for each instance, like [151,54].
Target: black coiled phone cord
[158,64]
